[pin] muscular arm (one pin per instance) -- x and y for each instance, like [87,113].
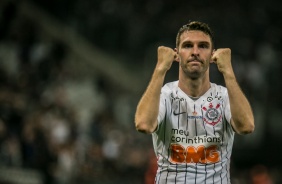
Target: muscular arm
[242,116]
[148,107]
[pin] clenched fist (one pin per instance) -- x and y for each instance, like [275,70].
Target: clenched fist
[222,57]
[166,56]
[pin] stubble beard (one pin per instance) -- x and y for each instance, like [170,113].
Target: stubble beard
[194,73]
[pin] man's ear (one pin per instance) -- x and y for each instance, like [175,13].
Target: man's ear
[213,51]
[177,59]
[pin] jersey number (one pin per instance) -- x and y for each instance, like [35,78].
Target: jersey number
[192,154]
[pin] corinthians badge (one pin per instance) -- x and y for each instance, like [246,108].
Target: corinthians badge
[212,115]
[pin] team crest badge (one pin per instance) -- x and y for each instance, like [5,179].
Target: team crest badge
[212,114]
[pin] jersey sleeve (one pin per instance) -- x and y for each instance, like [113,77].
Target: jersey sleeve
[227,110]
[162,109]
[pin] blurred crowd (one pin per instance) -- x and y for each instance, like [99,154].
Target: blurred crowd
[73,129]
[46,120]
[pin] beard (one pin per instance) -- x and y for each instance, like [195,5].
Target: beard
[194,71]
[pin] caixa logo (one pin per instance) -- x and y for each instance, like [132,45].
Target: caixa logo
[193,154]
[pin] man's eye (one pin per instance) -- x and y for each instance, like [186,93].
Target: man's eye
[203,46]
[188,46]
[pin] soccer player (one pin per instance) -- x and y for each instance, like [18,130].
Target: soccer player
[193,121]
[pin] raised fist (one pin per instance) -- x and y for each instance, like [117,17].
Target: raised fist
[166,56]
[222,57]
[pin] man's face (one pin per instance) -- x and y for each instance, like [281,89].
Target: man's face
[195,51]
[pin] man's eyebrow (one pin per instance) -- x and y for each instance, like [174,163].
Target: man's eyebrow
[204,42]
[199,42]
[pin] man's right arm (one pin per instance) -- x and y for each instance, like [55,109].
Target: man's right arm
[148,107]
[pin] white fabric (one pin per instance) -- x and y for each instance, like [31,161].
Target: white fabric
[194,138]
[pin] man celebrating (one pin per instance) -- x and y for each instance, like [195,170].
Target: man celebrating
[193,121]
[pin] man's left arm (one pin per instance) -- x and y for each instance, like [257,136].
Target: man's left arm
[242,119]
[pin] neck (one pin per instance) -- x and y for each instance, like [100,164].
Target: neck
[194,87]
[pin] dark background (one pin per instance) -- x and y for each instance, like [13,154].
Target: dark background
[72,72]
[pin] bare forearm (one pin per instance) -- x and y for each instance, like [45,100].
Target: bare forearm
[241,111]
[242,116]
[148,107]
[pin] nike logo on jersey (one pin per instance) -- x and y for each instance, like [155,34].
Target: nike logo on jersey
[177,113]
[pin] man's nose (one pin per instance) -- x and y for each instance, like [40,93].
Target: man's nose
[195,51]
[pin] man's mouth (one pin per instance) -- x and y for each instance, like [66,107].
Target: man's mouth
[195,60]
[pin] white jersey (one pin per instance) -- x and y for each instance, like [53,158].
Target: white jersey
[194,138]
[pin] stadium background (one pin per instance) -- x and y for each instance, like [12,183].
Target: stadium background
[72,72]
